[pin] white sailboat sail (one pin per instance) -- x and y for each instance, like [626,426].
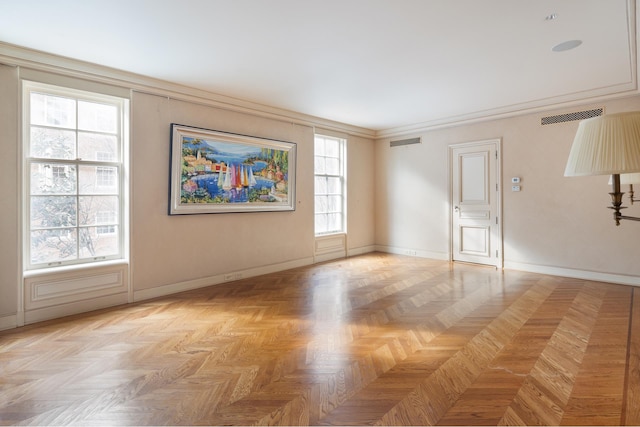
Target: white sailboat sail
[226,185]
[252,180]
[220,176]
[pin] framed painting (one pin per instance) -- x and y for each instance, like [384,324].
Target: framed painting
[220,172]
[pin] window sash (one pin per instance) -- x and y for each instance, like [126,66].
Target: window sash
[60,228]
[329,185]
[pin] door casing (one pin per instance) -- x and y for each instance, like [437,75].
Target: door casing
[496,257]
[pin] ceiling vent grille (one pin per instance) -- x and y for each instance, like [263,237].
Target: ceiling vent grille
[570,117]
[402,142]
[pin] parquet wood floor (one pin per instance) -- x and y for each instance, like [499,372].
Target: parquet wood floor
[377,339]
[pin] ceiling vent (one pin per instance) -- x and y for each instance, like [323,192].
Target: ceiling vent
[402,142]
[570,117]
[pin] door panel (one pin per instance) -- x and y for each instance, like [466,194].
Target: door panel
[474,241]
[473,174]
[475,194]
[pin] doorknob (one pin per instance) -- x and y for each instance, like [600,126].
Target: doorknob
[456,208]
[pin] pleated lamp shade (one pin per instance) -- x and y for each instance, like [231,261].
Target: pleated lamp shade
[606,145]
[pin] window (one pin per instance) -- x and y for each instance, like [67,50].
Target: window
[73,153]
[106,217]
[106,177]
[329,185]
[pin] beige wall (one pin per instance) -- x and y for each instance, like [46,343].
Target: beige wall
[169,251]
[360,191]
[553,223]
[398,199]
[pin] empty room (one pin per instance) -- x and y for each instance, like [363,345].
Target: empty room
[322,212]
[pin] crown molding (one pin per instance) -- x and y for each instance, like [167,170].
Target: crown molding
[18,56]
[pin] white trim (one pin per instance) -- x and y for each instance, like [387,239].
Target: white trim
[70,90]
[17,56]
[596,276]
[443,256]
[160,291]
[342,175]
[42,61]
[74,288]
[617,92]
[20,201]
[9,322]
[497,142]
[329,256]
[361,250]
[57,311]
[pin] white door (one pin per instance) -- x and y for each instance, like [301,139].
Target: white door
[475,203]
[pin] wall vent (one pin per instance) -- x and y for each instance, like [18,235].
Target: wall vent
[570,117]
[402,142]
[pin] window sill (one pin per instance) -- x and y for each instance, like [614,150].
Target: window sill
[75,268]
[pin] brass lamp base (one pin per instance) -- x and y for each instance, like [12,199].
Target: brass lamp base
[616,201]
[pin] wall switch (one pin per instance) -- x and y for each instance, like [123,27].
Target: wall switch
[515,180]
[515,188]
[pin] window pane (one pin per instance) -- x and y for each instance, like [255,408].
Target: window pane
[53,178]
[98,180]
[52,110]
[52,143]
[319,166]
[53,211]
[333,166]
[321,204]
[334,185]
[74,203]
[321,185]
[98,147]
[98,244]
[97,117]
[329,199]
[97,210]
[334,203]
[57,245]
[332,148]
[321,224]
[334,222]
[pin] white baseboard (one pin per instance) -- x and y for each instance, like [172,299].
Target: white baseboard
[329,256]
[573,273]
[8,322]
[160,291]
[443,256]
[361,251]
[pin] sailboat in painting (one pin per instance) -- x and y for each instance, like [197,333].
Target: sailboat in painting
[252,180]
[226,185]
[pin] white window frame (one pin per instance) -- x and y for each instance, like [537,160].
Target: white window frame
[342,175]
[117,164]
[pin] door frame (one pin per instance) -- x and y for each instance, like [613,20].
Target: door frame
[499,211]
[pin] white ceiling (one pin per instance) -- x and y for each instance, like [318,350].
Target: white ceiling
[377,64]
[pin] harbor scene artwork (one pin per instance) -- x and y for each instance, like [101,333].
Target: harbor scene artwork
[220,172]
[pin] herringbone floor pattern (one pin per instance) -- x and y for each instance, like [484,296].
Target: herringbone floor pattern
[372,340]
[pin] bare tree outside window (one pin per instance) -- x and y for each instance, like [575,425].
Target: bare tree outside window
[74,162]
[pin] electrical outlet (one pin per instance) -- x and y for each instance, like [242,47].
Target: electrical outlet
[228,277]
[515,188]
